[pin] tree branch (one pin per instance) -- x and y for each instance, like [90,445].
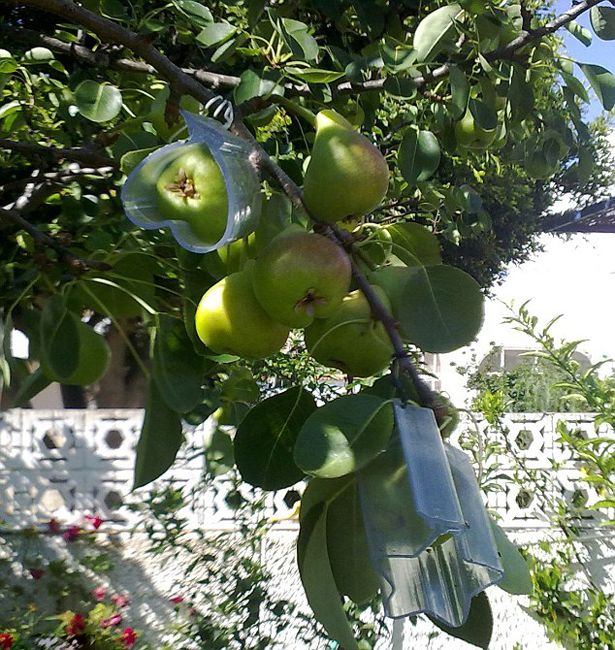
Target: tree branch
[76,264]
[78,154]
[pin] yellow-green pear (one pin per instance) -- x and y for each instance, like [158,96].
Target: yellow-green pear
[347,175]
[299,276]
[191,188]
[230,320]
[469,134]
[351,339]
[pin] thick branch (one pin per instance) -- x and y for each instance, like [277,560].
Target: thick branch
[76,264]
[78,154]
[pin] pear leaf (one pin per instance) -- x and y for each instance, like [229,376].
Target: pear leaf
[478,627]
[414,245]
[160,439]
[98,102]
[177,370]
[314,75]
[582,34]
[517,579]
[603,22]
[347,547]
[31,386]
[59,339]
[439,308]
[266,436]
[460,91]
[603,83]
[344,435]
[317,577]
[436,31]
[419,155]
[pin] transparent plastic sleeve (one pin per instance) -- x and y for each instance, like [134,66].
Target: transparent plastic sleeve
[427,529]
[230,153]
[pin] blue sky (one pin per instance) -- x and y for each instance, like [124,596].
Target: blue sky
[599,52]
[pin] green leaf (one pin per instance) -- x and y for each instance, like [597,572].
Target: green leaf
[478,628]
[177,371]
[215,33]
[344,435]
[347,547]
[603,22]
[317,577]
[252,85]
[517,579]
[295,33]
[314,75]
[419,155]
[399,86]
[436,31]
[396,56]
[581,33]
[266,436]
[132,158]
[30,387]
[603,83]
[575,85]
[414,245]
[439,308]
[199,14]
[460,91]
[98,102]
[160,439]
[8,64]
[59,339]
[38,55]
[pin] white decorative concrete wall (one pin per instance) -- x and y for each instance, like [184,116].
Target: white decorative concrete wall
[65,464]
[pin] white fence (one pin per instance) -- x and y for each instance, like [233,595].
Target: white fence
[63,464]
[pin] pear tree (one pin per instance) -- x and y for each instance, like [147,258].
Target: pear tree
[203,188]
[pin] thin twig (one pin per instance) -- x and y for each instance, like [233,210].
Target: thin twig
[78,154]
[76,264]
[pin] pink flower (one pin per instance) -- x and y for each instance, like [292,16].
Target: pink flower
[54,526]
[36,573]
[129,637]
[114,619]
[120,600]
[6,641]
[99,593]
[71,533]
[95,520]
[76,626]
[176,600]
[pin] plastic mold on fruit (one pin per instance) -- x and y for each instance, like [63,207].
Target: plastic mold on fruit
[222,161]
[428,532]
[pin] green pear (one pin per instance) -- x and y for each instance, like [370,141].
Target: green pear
[347,175]
[230,320]
[351,339]
[191,188]
[470,135]
[300,276]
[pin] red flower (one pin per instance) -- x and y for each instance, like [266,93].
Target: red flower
[54,526]
[6,641]
[129,637]
[176,600]
[71,533]
[36,573]
[120,600]
[95,520]
[76,625]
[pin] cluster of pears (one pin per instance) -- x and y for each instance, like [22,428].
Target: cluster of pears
[302,280]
